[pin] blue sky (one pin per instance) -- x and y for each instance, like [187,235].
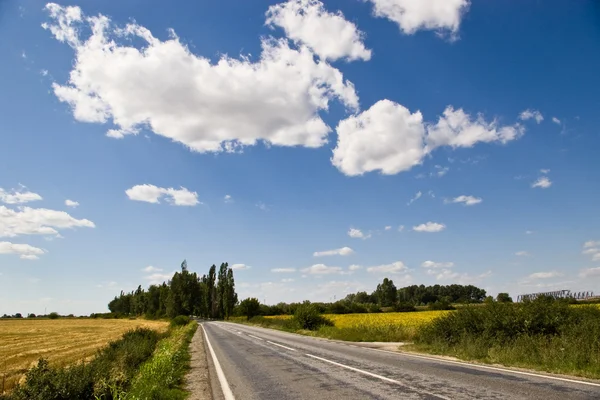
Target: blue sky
[321,122]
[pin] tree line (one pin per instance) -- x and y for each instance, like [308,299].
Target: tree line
[208,296]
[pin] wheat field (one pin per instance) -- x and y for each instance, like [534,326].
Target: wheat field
[60,341]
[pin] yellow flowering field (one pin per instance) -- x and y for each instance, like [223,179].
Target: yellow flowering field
[409,319]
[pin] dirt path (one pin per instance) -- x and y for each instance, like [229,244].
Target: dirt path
[197,379]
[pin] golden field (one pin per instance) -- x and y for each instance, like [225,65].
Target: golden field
[60,341]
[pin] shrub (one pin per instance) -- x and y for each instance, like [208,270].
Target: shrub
[307,317]
[53,315]
[404,307]
[373,308]
[440,305]
[180,320]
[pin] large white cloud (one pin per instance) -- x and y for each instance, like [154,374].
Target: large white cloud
[429,227]
[529,114]
[25,251]
[209,107]
[37,221]
[153,194]
[328,34]
[20,196]
[414,15]
[389,138]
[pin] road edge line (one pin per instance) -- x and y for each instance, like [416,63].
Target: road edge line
[280,345]
[227,393]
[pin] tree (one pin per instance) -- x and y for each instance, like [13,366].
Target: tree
[211,291]
[230,294]
[386,293]
[250,307]
[504,298]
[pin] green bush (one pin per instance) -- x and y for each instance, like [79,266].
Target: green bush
[180,320]
[53,315]
[307,317]
[404,307]
[440,305]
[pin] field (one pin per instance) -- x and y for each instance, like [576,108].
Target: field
[61,341]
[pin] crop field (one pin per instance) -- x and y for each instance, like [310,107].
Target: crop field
[60,341]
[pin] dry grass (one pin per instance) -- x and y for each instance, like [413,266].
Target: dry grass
[61,341]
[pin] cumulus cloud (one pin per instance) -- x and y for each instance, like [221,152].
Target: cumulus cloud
[556,120]
[393,268]
[543,183]
[37,221]
[25,251]
[388,227]
[403,139]
[529,114]
[440,171]
[228,199]
[150,268]
[344,251]
[283,270]
[415,198]
[18,196]
[545,171]
[545,275]
[433,264]
[522,253]
[238,267]
[443,16]
[466,200]
[208,107]
[354,267]
[153,194]
[358,234]
[321,269]
[158,278]
[429,227]
[329,35]
[71,203]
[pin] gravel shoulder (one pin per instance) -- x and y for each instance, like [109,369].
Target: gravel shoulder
[197,379]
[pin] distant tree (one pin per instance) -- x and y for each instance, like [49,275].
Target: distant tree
[504,298]
[53,315]
[488,300]
[211,291]
[231,298]
[32,315]
[386,293]
[18,315]
[250,307]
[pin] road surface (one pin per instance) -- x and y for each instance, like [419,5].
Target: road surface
[257,363]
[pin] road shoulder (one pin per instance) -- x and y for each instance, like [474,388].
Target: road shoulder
[198,380]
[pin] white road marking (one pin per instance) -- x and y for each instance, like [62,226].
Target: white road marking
[280,345]
[383,378]
[255,337]
[510,371]
[227,393]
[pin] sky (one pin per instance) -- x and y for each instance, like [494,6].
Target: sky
[317,147]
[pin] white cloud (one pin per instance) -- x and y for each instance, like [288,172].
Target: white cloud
[456,277]
[25,251]
[37,221]
[529,114]
[321,269]
[592,248]
[590,272]
[283,270]
[208,107]
[344,251]
[153,194]
[545,275]
[287,280]
[556,120]
[228,199]
[150,268]
[413,15]
[262,206]
[529,232]
[71,203]
[44,72]
[327,34]
[403,139]
[400,228]
[543,182]
[17,196]
[522,253]
[393,268]
[158,278]
[545,171]
[433,264]
[429,227]
[358,234]
[388,228]
[415,198]
[354,267]
[466,200]
[238,267]
[440,171]
[591,243]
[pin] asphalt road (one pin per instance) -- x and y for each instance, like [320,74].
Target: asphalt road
[257,363]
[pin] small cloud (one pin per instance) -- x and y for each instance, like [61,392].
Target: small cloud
[543,183]
[228,199]
[529,114]
[429,227]
[522,253]
[529,232]
[387,228]
[344,251]
[556,120]
[592,248]
[440,171]
[239,267]
[393,268]
[287,280]
[354,267]
[28,257]
[283,270]
[23,55]
[321,269]
[358,234]
[71,203]
[433,264]
[152,194]
[545,171]
[589,272]
[150,268]
[466,200]
[158,278]
[545,275]
[415,198]
[18,196]
[262,206]
[400,228]
[44,72]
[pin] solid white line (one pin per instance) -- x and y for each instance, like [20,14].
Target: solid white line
[255,337]
[510,371]
[383,378]
[280,345]
[227,393]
